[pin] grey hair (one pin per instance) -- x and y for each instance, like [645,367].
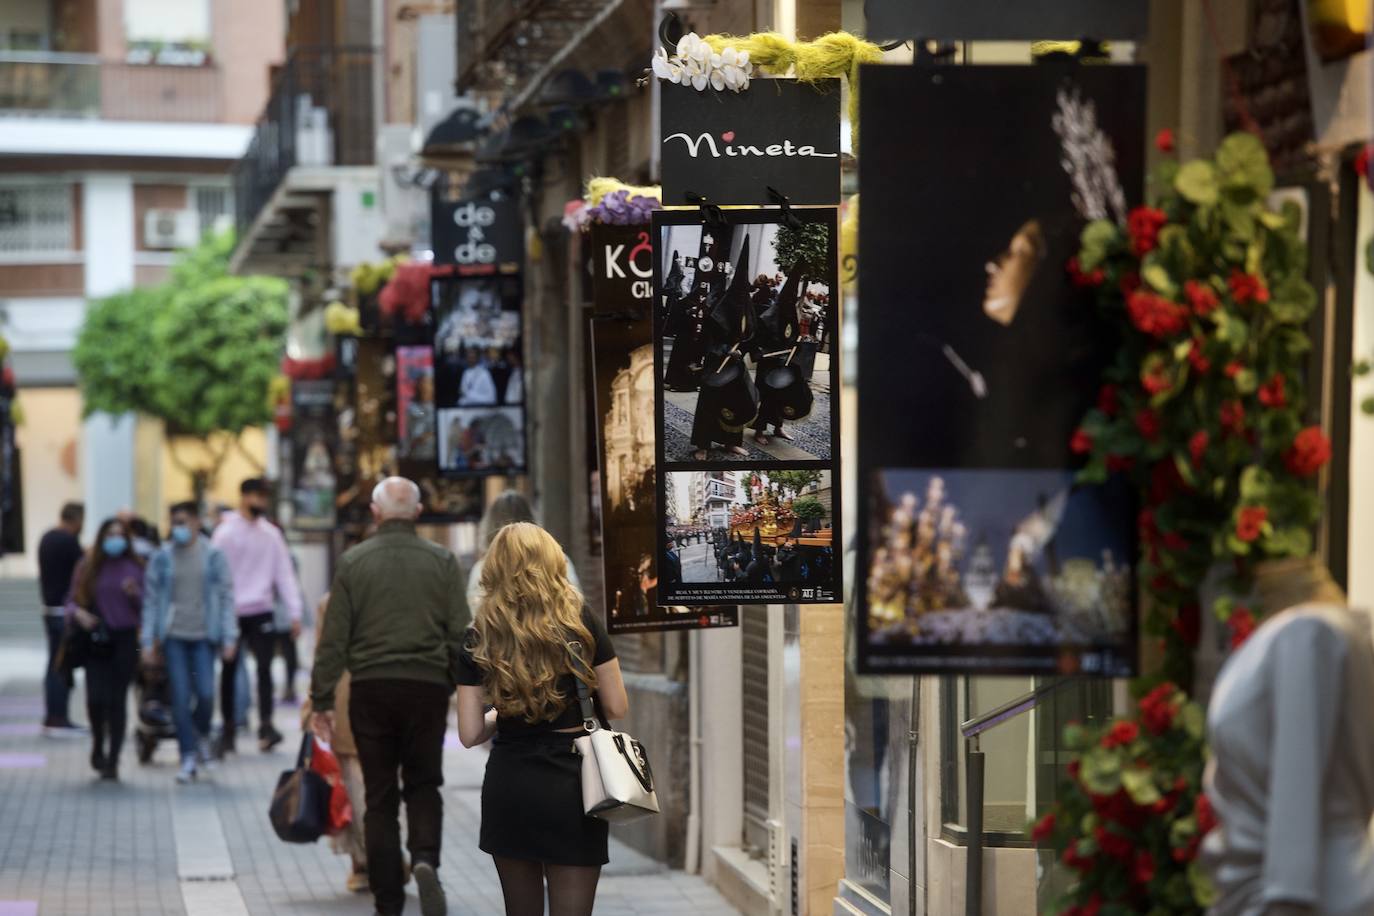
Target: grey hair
[396,497]
[507,509]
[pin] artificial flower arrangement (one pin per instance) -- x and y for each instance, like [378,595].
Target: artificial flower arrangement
[612,202]
[1203,409]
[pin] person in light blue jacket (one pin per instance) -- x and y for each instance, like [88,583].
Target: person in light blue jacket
[188,617]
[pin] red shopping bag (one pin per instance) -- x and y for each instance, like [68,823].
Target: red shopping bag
[323,761]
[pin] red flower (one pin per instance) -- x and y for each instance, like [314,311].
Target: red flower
[1271,393]
[1144,871]
[1205,814]
[1165,482]
[1143,225]
[1154,315]
[1174,541]
[1072,859]
[1234,368]
[1157,709]
[1197,446]
[1247,287]
[1107,401]
[1149,530]
[1198,358]
[1250,521]
[1043,829]
[1188,624]
[1242,624]
[1233,417]
[1147,423]
[1093,907]
[1121,734]
[1310,451]
[1073,769]
[1081,443]
[1113,845]
[1081,279]
[1361,163]
[1201,298]
[1117,463]
[1156,381]
[1164,140]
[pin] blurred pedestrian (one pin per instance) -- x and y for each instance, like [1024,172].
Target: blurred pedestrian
[59,552]
[351,842]
[507,509]
[532,641]
[260,565]
[188,619]
[395,621]
[286,639]
[106,601]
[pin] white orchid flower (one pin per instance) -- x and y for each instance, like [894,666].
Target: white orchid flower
[728,58]
[699,82]
[718,80]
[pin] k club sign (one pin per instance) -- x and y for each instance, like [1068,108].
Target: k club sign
[731,147]
[622,265]
[479,235]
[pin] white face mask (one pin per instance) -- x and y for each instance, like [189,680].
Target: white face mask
[143,548]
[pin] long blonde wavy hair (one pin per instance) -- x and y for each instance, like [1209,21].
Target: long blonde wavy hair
[529,615]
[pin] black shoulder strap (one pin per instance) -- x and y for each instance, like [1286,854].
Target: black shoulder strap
[584,696]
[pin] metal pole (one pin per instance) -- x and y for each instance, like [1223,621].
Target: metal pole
[973,879]
[913,746]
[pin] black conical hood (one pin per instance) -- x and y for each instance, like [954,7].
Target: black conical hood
[733,312]
[780,318]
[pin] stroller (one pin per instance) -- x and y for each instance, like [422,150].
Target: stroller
[152,691]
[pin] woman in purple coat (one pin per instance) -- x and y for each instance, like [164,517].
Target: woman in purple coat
[106,600]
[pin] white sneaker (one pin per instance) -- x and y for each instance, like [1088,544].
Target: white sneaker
[205,756]
[187,773]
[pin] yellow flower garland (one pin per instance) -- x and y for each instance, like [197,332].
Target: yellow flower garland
[599,187]
[836,54]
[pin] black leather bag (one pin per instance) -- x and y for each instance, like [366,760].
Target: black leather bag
[79,646]
[300,805]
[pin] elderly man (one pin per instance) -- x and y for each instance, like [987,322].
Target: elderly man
[395,621]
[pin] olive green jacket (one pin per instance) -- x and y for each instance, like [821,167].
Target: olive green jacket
[397,609]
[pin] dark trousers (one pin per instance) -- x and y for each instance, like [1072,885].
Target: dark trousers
[399,725]
[287,643]
[107,692]
[259,636]
[56,691]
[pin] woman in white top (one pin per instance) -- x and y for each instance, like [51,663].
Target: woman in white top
[507,509]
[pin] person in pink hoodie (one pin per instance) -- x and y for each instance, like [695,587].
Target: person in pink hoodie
[261,567]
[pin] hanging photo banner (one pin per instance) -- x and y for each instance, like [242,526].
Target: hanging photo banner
[622,269]
[479,235]
[732,147]
[746,340]
[313,428]
[479,376]
[996,20]
[623,354]
[980,356]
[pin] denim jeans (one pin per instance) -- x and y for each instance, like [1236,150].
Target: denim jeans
[191,670]
[55,690]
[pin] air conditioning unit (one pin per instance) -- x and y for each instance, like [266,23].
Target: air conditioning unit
[171,229]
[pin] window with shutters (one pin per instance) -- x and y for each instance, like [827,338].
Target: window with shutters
[36,219]
[214,206]
[754,632]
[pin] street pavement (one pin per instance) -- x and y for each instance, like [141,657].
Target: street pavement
[71,845]
[699,563]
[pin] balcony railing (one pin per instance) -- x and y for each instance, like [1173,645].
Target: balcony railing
[319,113]
[50,84]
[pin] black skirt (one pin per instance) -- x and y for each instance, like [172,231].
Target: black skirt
[532,803]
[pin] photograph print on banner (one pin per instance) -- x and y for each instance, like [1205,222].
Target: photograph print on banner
[479,375]
[313,430]
[746,347]
[624,366]
[980,356]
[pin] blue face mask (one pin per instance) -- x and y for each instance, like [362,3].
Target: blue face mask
[181,534]
[114,546]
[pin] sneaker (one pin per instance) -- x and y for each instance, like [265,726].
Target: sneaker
[187,774]
[98,760]
[205,754]
[432,899]
[223,747]
[63,730]
[357,882]
[269,738]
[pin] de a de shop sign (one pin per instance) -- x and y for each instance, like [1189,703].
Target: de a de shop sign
[479,235]
[731,147]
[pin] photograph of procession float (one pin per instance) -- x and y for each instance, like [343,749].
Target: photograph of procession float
[757,535]
[1015,566]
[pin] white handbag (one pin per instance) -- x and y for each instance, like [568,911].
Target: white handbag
[617,783]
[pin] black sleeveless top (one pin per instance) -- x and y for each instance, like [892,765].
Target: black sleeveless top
[470,674]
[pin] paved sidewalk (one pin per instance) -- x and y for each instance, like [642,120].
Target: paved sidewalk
[70,845]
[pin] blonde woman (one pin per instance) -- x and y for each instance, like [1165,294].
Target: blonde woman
[531,641]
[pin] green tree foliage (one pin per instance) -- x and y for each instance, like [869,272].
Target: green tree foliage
[794,481]
[197,351]
[807,247]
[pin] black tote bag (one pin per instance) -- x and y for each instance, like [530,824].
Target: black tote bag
[300,804]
